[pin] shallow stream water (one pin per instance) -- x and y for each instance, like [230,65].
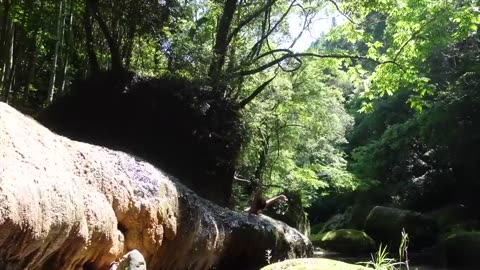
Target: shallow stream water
[417,261]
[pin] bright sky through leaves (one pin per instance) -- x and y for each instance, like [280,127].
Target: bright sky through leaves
[321,24]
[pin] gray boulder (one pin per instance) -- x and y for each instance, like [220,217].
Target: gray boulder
[461,249]
[385,224]
[133,260]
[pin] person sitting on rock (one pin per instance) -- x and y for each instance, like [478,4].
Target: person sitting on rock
[259,204]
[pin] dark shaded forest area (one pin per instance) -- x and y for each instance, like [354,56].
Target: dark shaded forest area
[381,110]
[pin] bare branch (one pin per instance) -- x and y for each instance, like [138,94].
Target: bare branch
[289,54]
[250,18]
[341,12]
[255,93]
[241,179]
[306,23]
[220,47]
[257,45]
[273,51]
[414,36]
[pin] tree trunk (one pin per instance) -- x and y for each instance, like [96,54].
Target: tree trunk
[31,69]
[32,51]
[10,83]
[220,48]
[67,50]
[60,28]
[18,59]
[117,65]
[93,66]
[132,29]
[262,161]
[4,38]
[8,60]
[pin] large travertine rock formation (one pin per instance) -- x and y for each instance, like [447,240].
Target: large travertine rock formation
[70,205]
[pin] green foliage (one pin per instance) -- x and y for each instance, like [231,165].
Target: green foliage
[381,261]
[376,160]
[413,31]
[420,156]
[300,135]
[301,121]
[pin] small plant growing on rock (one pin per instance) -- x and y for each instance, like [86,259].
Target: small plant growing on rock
[380,260]
[268,255]
[403,249]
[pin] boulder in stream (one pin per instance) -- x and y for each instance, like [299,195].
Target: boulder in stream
[461,249]
[385,225]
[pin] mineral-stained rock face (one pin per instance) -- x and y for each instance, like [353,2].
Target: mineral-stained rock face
[68,205]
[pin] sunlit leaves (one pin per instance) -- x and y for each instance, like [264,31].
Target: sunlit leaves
[413,31]
[304,117]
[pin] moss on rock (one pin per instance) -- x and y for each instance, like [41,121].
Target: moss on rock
[313,264]
[316,228]
[338,221]
[345,241]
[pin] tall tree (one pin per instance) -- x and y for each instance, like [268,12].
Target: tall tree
[58,43]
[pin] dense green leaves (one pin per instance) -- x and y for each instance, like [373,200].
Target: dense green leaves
[413,30]
[303,120]
[410,64]
[423,160]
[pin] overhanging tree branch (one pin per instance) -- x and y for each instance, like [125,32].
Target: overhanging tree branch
[341,12]
[289,54]
[414,36]
[306,23]
[255,93]
[243,180]
[250,18]
[256,47]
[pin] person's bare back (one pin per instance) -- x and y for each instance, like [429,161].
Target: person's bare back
[259,204]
